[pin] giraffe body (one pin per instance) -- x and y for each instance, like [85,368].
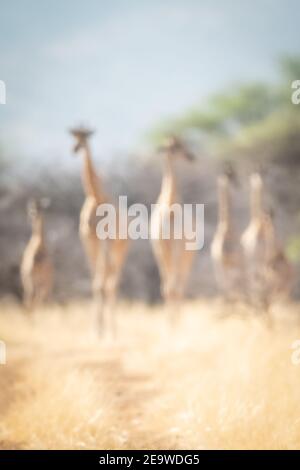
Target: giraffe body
[269,273]
[173,258]
[225,249]
[105,257]
[87,231]
[36,267]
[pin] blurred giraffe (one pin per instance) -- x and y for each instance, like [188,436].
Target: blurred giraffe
[269,273]
[105,257]
[36,268]
[278,272]
[173,258]
[226,252]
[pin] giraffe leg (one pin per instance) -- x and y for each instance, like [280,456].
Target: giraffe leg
[180,271]
[172,296]
[112,286]
[111,312]
[28,302]
[105,309]
[41,295]
[99,301]
[117,262]
[267,309]
[28,296]
[174,310]
[163,255]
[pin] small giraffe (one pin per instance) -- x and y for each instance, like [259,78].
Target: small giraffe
[173,259]
[106,257]
[278,271]
[36,268]
[226,252]
[269,274]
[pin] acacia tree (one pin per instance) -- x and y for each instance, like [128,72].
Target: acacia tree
[251,119]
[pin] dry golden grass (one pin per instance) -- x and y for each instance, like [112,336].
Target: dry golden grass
[217,382]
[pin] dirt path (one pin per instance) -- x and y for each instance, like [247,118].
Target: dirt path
[127,389]
[214,383]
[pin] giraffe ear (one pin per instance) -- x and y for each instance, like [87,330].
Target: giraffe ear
[90,132]
[81,132]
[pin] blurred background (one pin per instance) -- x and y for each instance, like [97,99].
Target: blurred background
[217,72]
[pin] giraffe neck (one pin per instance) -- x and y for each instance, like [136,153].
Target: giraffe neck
[90,179]
[168,189]
[224,202]
[38,228]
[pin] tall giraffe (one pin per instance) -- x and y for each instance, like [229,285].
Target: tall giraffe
[105,257]
[36,268]
[225,248]
[173,258]
[278,272]
[269,274]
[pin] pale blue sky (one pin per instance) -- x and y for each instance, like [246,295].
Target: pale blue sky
[122,65]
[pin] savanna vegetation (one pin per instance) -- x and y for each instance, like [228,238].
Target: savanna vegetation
[222,379]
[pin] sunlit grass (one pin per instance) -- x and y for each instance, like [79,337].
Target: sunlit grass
[223,379]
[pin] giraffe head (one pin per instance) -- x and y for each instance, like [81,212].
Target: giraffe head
[34,212]
[175,147]
[35,208]
[229,173]
[81,135]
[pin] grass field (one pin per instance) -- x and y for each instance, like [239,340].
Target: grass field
[222,380]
